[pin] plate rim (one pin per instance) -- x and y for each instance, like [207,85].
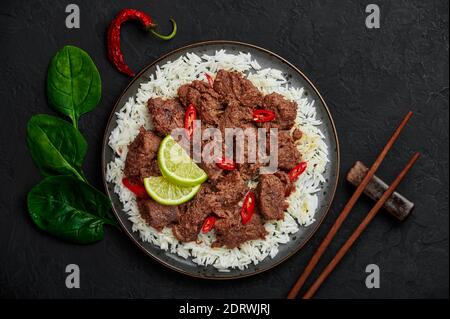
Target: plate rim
[105,145]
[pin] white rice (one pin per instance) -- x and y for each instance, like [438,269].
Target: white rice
[303,202]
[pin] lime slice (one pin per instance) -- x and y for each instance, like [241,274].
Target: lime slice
[166,193]
[176,165]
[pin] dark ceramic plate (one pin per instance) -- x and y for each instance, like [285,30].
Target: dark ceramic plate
[266,59]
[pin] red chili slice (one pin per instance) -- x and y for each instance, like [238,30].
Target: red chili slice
[208,224]
[248,208]
[261,115]
[189,119]
[210,79]
[297,171]
[137,188]
[225,164]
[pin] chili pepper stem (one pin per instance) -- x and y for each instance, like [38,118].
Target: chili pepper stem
[161,36]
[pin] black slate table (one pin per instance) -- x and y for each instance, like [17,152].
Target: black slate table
[369,77]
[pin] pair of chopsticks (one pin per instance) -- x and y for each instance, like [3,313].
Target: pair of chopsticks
[345,212]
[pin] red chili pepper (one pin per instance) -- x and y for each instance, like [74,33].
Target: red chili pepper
[137,188]
[225,164]
[208,224]
[261,115]
[248,208]
[189,119]
[297,171]
[113,39]
[210,79]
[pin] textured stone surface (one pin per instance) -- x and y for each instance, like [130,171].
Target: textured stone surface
[370,78]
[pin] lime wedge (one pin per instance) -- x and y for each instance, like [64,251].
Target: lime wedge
[166,193]
[176,165]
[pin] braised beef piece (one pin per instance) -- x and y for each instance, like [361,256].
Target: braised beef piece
[154,168]
[249,168]
[231,233]
[205,100]
[285,111]
[288,154]
[232,85]
[166,114]
[230,190]
[156,215]
[208,163]
[236,115]
[270,193]
[289,186]
[297,134]
[212,170]
[220,199]
[141,154]
[193,214]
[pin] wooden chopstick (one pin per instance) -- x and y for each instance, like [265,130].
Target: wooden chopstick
[366,221]
[346,210]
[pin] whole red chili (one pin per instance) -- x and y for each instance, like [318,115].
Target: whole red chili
[137,188]
[210,79]
[248,208]
[297,171]
[261,115]
[114,52]
[225,164]
[189,119]
[208,224]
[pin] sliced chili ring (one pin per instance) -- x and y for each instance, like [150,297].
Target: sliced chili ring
[137,188]
[189,119]
[248,208]
[262,115]
[225,164]
[208,224]
[210,79]
[297,171]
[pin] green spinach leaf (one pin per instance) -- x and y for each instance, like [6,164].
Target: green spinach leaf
[69,209]
[73,83]
[56,146]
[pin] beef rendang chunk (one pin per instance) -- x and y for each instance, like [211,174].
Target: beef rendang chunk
[141,157]
[285,111]
[232,85]
[270,193]
[249,152]
[156,215]
[166,114]
[220,199]
[288,154]
[289,186]
[193,213]
[236,116]
[204,99]
[207,151]
[230,189]
[231,233]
